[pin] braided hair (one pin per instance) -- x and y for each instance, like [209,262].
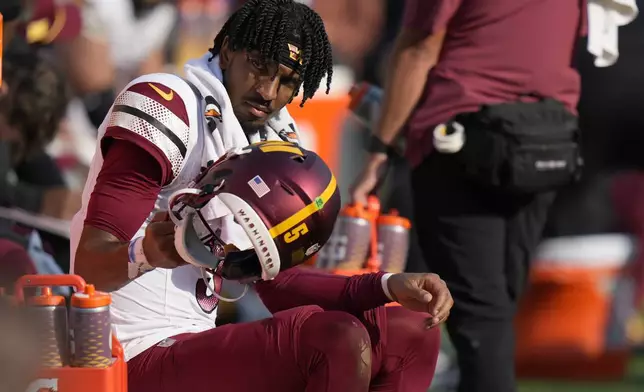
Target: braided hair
[264,25]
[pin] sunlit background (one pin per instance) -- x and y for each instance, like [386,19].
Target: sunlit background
[581,325]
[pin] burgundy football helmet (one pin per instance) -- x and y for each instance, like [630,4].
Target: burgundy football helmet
[284,197]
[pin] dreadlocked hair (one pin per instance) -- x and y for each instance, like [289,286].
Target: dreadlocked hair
[263,25]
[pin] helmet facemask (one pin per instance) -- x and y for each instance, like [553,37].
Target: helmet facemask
[199,244]
[208,251]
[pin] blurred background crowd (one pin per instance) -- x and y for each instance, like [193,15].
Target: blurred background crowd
[65,61]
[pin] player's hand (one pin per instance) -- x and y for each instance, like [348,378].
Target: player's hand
[158,243]
[367,179]
[422,293]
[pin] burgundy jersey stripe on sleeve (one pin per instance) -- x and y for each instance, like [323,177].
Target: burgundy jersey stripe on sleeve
[155,123]
[158,114]
[164,95]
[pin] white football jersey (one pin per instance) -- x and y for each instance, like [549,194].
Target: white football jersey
[162,302]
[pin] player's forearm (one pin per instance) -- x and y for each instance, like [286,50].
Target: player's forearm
[125,192]
[102,260]
[410,64]
[302,286]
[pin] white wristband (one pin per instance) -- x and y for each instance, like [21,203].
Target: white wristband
[385,286]
[138,263]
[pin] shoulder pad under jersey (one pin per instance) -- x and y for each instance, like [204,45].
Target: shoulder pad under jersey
[163,109]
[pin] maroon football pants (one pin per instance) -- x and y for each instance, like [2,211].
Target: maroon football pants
[301,349]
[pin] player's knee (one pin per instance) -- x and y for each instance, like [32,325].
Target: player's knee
[409,336]
[338,336]
[299,315]
[429,347]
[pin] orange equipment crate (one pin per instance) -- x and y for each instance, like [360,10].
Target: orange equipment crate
[75,379]
[572,321]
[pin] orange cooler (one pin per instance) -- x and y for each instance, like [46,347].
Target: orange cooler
[112,378]
[572,322]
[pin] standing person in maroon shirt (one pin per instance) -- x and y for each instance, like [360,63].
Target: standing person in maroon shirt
[503,71]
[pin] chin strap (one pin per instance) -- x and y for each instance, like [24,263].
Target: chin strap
[211,285]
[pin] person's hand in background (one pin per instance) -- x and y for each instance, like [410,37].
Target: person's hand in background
[367,180]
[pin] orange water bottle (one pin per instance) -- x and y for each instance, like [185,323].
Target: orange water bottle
[348,247]
[393,241]
[91,329]
[50,316]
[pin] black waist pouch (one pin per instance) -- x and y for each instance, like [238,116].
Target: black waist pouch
[521,147]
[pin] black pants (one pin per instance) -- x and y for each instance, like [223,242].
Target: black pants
[480,242]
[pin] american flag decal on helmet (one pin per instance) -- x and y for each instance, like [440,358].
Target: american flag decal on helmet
[258,186]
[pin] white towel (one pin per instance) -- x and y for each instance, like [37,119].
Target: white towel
[207,76]
[229,133]
[604,19]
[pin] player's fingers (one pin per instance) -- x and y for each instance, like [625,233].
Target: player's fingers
[431,322]
[444,309]
[441,315]
[177,260]
[160,216]
[163,228]
[445,317]
[170,255]
[440,303]
[439,318]
[422,295]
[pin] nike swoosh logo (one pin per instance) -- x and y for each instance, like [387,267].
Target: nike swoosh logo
[164,95]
